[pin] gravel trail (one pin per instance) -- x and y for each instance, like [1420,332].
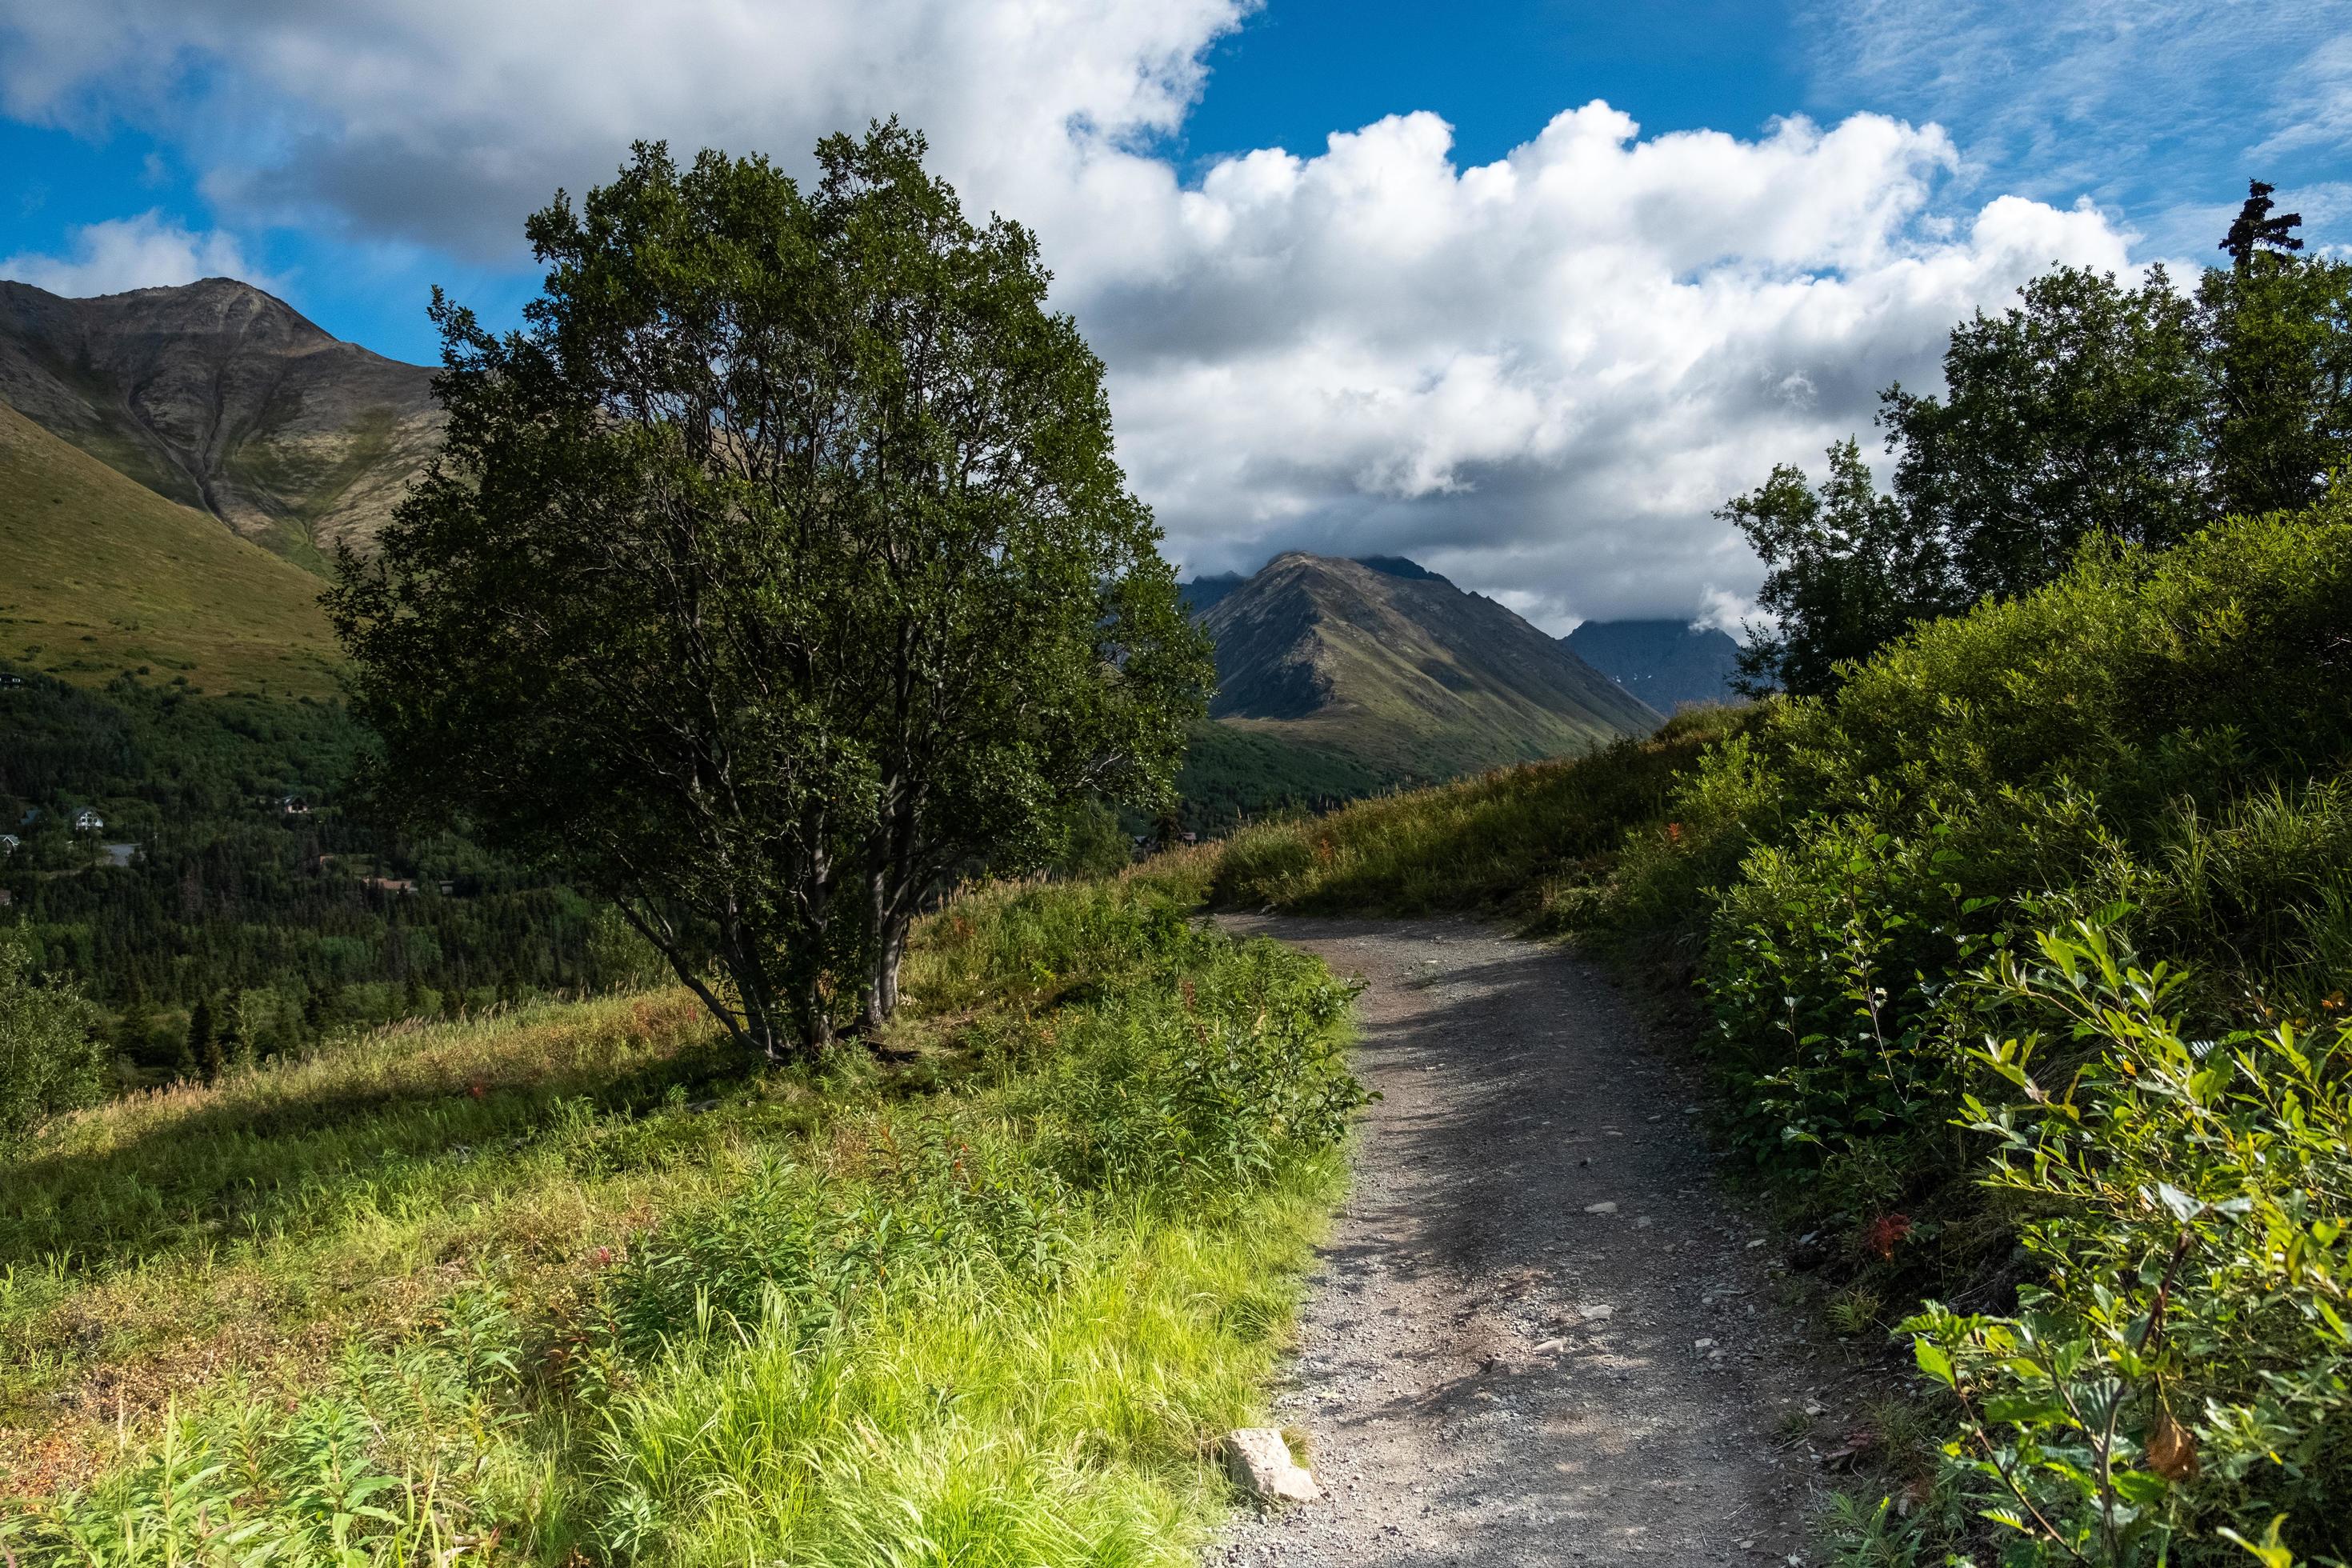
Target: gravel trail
[1540,1333]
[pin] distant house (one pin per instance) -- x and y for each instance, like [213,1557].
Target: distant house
[11,683]
[394,885]
[88,821]
[32,815]
[9,843]
[293,805]
[119,854]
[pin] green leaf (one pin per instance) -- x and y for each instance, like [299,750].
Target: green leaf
[1935,1362]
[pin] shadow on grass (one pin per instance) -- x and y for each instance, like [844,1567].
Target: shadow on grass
[229,1167]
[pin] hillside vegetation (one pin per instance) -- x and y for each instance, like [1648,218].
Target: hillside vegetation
[2024,952]
[100,575]
[566,1282]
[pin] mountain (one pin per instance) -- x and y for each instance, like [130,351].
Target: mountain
[1666,664]
[1201,593]
[98,575]
[220,397]
[1388,664]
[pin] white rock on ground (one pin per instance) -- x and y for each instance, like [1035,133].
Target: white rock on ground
[1262,1466]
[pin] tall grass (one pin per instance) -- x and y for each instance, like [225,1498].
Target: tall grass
[571,1282]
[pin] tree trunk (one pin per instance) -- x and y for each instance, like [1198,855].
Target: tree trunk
[891,922]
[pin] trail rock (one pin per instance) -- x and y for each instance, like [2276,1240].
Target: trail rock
[1261,1465]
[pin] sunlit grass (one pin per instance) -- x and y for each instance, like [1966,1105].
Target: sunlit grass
[568,1279]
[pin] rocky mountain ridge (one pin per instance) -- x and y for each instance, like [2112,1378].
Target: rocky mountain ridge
[222,397]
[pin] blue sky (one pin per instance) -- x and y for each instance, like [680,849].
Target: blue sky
[1537,357]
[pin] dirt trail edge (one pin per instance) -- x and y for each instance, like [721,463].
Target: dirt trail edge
[1539,1332]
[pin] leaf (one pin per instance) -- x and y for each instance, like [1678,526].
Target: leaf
[2171,1450]
[1935,1362]
[2271,1549]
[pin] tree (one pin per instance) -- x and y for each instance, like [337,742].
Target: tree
[51,1059]
[204,1054]
[2278,351]
[777,568]
[1848,570]
[2076,413]
[2257,234]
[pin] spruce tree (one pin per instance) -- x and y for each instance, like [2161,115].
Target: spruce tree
[204,1052]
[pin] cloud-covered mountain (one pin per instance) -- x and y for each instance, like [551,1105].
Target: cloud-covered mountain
[221,397]
[1665,663]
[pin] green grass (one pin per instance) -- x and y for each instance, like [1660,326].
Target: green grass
[1527,842]
[568,1280]
[100,575]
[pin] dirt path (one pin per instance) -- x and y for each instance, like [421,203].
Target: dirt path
[1540,1333]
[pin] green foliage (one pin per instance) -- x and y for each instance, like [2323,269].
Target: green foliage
[50,1056]
[779,572]
[1232,775]
[229,898]
[589,1292]
[2182,1369]
[2076,415]
[2087,413]
[2278,331]
[1848,571]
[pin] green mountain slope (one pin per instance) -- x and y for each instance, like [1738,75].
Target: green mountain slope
[217,395]
[98,575]
[1396,667]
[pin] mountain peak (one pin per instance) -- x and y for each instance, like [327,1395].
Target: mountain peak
[1390,662]
[220,395]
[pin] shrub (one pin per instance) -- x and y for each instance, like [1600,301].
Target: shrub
[50,1056]
[2182,1374]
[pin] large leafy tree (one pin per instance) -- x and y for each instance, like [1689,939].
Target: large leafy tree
[1847,571]
[778,570]
[2076,413]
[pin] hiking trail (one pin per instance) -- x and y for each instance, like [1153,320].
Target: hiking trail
[1541,1330]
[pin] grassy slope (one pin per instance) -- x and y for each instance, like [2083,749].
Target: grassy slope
[567,1277]
[99,574]
[1524,841]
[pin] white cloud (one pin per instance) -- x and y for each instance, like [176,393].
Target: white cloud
[1540,376]
[143,252]
[1543,374]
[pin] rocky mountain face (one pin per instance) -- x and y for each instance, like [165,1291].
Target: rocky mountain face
[1666,664]
[217,395]
[1391,664]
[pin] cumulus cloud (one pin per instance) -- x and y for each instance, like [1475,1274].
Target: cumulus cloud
[1543,374]
[143,252]
[1540,375]
[443,121]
